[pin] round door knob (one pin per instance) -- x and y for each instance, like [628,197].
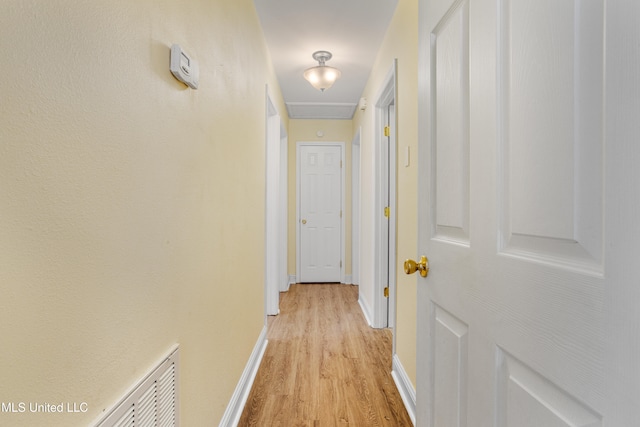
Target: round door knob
[304,221]
[410,266]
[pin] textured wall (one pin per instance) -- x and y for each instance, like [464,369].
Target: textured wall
[124,199]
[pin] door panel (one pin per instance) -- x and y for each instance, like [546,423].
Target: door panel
[450,368]
[551,111]
[450,115]
[320,176]
[526,399]
[512,215]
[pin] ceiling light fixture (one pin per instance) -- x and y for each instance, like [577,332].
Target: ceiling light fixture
[322,77]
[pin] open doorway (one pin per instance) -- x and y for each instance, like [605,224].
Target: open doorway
[385,199]
[275,208]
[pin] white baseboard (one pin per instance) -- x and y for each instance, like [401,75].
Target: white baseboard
[292,279]
[284,287]
[235,407]
[348,279]
[365,310]
[405,387]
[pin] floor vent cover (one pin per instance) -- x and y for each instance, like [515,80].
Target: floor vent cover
[152,402]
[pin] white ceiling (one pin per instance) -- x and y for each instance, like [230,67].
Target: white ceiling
[352,30]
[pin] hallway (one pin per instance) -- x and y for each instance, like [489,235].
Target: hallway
[324,365]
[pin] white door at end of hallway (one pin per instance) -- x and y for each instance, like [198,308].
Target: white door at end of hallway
[320,213]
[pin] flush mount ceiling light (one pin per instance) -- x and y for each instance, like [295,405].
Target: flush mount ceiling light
[322,77]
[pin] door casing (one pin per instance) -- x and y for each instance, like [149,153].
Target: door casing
[275,207]
[355,207]
[385,196]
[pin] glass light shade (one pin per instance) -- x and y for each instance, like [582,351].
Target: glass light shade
[322,77]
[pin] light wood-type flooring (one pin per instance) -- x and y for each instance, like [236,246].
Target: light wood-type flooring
[324,366]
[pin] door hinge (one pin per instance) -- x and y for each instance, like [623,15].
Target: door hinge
[387,131]
[340,214]
[340,263]
[386,292]
[387,211]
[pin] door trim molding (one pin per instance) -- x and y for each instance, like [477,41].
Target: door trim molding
[342,202]
[356,208]
[275,206]
[383,314]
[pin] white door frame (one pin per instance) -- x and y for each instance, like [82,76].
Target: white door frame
[275,215]
[355,207]
[385,229]
[342,203]
[283,211]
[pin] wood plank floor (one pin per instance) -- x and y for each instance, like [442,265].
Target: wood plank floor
[324,366]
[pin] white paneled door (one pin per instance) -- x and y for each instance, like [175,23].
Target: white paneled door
[320,188]
[528,213]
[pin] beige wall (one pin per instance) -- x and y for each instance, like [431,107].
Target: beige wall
[123,201]
[307,131]
[401,42]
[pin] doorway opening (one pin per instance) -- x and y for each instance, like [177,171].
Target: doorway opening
[385,202]
[275,208]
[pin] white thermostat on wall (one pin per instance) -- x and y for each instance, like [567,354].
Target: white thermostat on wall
[183,67]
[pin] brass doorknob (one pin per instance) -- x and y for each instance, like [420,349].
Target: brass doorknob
[410,266]
[304,221]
